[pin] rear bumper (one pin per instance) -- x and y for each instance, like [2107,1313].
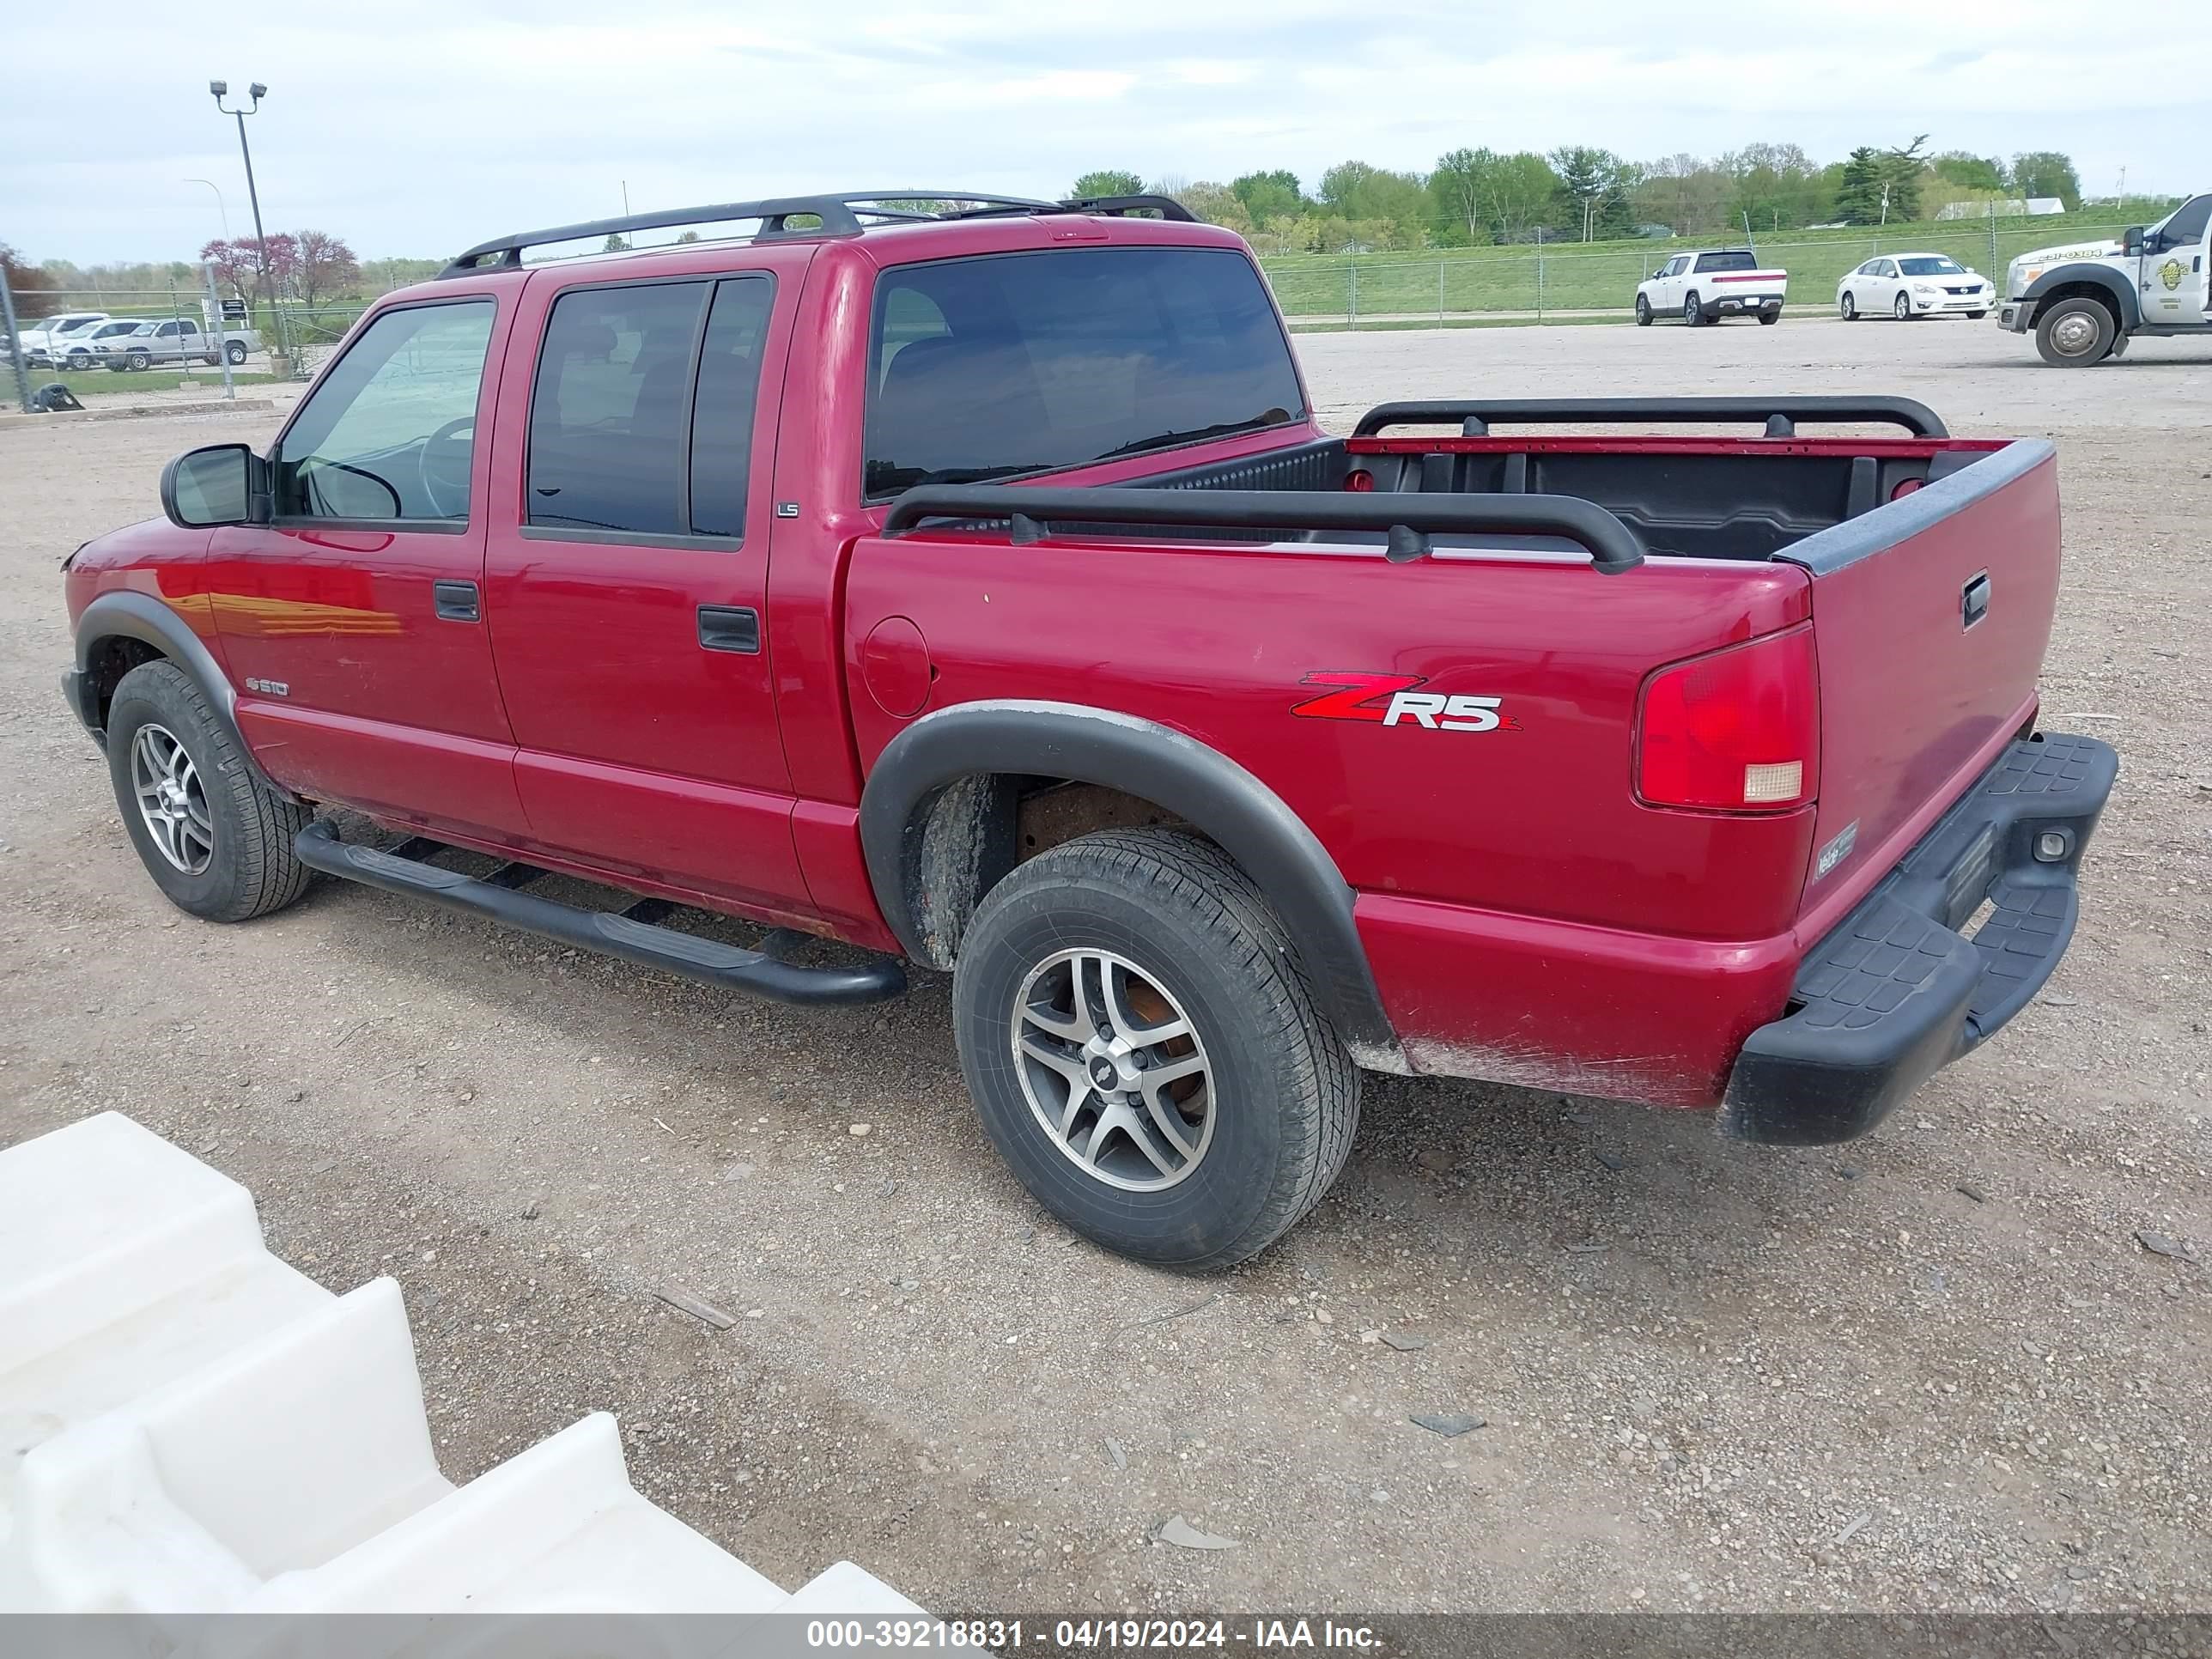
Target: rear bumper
[1896,991]
[1733,305]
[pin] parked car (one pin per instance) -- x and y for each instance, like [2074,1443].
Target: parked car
[174,340]
[1702,288]
[44,341]
[1904,285]
[1216,758]
[81,349]
[2085,301]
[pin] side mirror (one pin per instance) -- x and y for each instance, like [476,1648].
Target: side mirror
[2131,241]
[223,483]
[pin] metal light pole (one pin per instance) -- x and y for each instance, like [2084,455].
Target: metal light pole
[256,91]
[221,207]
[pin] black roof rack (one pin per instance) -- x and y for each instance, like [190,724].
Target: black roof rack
[835,216]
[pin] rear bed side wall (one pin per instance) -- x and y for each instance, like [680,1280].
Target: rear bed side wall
[1498,873]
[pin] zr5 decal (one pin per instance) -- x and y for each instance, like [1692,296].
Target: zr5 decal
[1391,699]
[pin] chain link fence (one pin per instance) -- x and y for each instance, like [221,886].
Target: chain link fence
[1537,281]
[287,340]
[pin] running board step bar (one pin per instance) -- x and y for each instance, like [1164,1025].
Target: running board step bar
[499,897]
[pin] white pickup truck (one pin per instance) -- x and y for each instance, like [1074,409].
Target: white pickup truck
[2085,300]
[1703,286]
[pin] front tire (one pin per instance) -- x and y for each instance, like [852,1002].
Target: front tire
[1849,306]
[2074,333]
[1145,1052]
[216,842]
[139,360]
[1642,312]
[1902,310]
[1976,316]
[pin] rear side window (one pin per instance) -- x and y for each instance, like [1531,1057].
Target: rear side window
[1012,363]
[641,419]
[1739,261]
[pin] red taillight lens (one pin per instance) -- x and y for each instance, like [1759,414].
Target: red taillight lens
[1737,731]
[1359,481]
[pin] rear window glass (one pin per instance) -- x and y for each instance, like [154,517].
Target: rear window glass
[988,367]
[1739,261]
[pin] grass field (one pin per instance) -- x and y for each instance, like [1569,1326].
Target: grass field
[1587,276]
[101,382]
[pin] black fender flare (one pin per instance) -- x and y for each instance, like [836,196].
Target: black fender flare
[1199,784]
[2067,273]
[128,614]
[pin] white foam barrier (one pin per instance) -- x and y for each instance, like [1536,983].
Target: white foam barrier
[187,1425]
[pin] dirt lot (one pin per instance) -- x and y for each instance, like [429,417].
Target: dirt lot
[1936,1368]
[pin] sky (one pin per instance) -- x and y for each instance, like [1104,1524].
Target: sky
[414,129]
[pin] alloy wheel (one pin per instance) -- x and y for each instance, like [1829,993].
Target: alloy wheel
[1113,1070]
[170,801]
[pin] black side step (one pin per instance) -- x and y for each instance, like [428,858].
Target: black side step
[706,960]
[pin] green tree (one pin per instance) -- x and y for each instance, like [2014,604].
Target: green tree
[1392,207]
[1265,195]
[614,244]
[1858,191]
[1969,171]
[1585,174]
[1900,173]
[1107,183]
[1774,185]
[1217,204]
[1481,195]
[2047,172]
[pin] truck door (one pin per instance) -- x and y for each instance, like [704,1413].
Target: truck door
[2173,270]
[627,579]
[351,623]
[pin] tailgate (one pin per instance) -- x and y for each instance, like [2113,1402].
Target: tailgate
[1930,615]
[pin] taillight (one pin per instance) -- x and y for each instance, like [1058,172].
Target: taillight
[1737,731]
[1359,481]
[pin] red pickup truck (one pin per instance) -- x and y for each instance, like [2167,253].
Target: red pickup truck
[968,580]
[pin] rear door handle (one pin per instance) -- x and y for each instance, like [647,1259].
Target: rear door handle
[456,601]
[1974,600]
[730,628]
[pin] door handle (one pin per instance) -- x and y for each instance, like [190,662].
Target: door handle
[456,601]
[1974,600]
[730,628]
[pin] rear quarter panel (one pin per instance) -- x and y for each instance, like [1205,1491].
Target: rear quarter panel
[1536,816]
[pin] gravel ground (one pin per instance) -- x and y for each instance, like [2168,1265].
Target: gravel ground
[1939,1368]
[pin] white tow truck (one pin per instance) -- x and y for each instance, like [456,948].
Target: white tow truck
[1705,286]
[2086,300]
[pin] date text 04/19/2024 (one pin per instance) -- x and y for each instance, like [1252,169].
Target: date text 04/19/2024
[1090,1635]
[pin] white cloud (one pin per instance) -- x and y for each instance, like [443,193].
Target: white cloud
[418,127]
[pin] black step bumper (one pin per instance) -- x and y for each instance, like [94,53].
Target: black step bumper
[1896,991]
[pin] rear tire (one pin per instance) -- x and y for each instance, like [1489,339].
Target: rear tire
[1770,314]
[1693,310]
[216,841]
[1642,312]
[1186,937]
[2074,333]
[235,351]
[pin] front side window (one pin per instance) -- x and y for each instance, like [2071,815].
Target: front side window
[1014,363]
[389,432]
[2186,227]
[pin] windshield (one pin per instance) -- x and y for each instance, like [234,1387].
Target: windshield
[1011,363]
[1936,266]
